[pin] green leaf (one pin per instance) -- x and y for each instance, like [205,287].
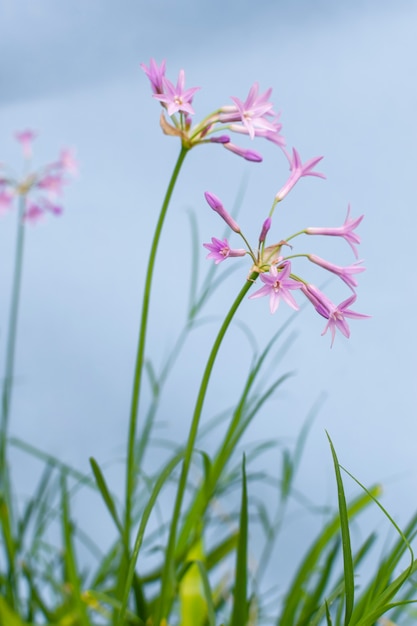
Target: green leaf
[240,603]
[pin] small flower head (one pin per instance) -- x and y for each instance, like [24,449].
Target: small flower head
[277,286]
[220,250]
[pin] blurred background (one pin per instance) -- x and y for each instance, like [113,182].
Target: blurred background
[343,76]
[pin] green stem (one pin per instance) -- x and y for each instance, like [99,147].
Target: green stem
[140,357]
[168,574]
[12,334]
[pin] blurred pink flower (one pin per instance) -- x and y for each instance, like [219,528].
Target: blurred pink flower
[6,199]
[33,213]
[25,138]
[68,162]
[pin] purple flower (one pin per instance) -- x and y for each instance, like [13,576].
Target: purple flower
[345,231]
[298,170]
[277,286]
[252,112]
[25,138]
[40,188]
[345,273]
[53,183]
[265,228]
[156,75]
[334,314]
[5,201]
[177,98]
[249,155]
[220,250]
[272,134]
[67,161]
[33,213]
[215,203]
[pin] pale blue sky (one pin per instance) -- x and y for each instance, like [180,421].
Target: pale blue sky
[343,75]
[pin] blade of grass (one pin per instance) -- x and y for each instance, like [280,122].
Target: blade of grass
[345,532]
[69,557]
[161,480]
[106,495]
[309,563]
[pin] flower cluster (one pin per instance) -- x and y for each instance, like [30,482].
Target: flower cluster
[40,189]
[254,116]
[275,268]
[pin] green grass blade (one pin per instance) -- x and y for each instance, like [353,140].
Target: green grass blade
[211,615]
[71,573]
[240,603]
[307,567]
[106,495]
[161,480]
[345,532]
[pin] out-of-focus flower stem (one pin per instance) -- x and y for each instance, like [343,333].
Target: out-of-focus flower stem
[140,357]
[169,561]
[12,334]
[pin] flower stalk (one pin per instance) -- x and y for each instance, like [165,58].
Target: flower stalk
[140,355]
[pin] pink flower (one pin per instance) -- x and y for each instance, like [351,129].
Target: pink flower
[272,134]
[220,250]
[5,201]
[334,314]
[176,98]
[345,231]
[156,75]
[277,286]
[249,155]
[298,170]
[215,203]
[25,138]
[68,162]
[252,112]
[53,183]
[33,213]
[345,273]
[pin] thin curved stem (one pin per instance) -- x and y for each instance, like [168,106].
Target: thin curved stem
[140,357]
[168,574]
[12,333]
